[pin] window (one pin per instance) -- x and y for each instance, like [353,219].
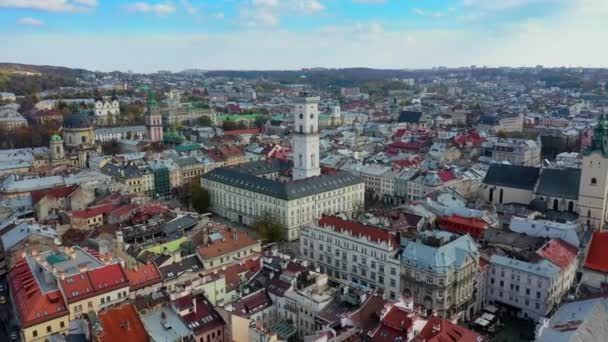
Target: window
[35,333]
[593,181]
[62,324]
[48,329]
[103,300]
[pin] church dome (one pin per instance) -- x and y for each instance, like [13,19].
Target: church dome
[55,138]
[77,120]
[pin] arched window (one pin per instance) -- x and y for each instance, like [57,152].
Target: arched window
[312,128]
[500,196]
[57,149]
[555,204]
[491,196]
[593,181]
[571,206]
[300,160]
[301,129]
[312,160]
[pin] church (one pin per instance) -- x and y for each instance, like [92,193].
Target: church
[107,111]
[244,192]
[581,191]
[77,146]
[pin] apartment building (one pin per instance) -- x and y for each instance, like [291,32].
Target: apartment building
[361,254]
[440,270]
[531,289]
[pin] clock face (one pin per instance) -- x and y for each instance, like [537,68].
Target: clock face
[301,116]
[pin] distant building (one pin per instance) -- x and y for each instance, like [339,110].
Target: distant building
[514,151]
[581,320]
[120,133]
[107,111]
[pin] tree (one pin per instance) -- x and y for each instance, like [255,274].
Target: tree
[204,121]
[269,228]
[199,198]
[229,125]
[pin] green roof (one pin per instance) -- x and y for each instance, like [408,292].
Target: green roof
[171,246]
[187,148]
[239,117]
[56,258]
[55,137]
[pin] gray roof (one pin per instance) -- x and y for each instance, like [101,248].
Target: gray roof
[543,268]
[286,191]
[123,172]
[562,183]
[174,270]
[451,255]
[512,176]
[262,167]
[583,320]
[178,223]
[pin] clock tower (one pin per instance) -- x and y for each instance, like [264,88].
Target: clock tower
[306,137]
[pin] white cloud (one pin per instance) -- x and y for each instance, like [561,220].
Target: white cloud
[29,21]
[219,15]
[190,9]
[268,13]
[90,3]
[159,9]
[51,5]
[369,1]
[418,11]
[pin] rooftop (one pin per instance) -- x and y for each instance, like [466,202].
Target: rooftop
[439,330]
[512,176]
[224,242]
[204,318]
[559,252]
[286,191]
[597,258]
[374,234]
[122,323]
[543,268]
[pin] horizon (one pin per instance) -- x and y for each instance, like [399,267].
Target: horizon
[265,35]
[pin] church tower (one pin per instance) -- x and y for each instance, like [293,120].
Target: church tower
[154,121]
[56,147]
[306,137]
[594,178]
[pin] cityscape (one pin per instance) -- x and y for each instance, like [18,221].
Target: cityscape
[303,171]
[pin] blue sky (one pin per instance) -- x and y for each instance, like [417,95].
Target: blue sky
[291,34]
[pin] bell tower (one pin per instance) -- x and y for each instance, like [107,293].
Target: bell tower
[306,137]
[592,194]
[154,121]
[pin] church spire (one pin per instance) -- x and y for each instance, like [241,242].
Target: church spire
[600,136]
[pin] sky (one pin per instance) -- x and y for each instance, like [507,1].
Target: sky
[146,36]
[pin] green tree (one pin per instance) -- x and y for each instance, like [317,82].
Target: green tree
[204,121]
[199,198]
[269,228]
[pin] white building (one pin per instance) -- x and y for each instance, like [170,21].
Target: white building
[364,255]
[120,133]
[514,151]
[533,288]
[107,107]
[379,180]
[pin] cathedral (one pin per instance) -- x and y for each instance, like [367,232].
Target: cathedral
[77,146]
[107,111]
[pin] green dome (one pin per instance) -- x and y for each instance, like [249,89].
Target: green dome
[55,138]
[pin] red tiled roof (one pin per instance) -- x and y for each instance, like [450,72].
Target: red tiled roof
[33,306]
[394,327]
[93,211]
[58,192]
[233,272]
[373,233]
[254,303]
[205,316]
[558,252]
[468,221]
[597,258]
[108,278]
[124,210]
[94,282]
[439,330]
[122,324]
[243,131]
[143,276]
[446,175]
[233,241]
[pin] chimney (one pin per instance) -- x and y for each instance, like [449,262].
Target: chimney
[83,268]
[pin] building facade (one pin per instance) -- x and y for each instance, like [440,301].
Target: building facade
[353,252]
[306,138]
